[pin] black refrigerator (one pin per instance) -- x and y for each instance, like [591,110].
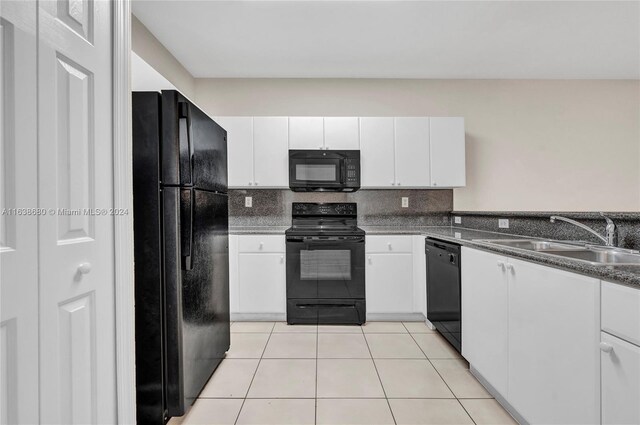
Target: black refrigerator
[181,233]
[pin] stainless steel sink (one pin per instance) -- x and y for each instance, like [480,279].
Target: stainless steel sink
[597,255]
[533,244]
[610,257]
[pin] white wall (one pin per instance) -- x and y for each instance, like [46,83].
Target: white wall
[150,50]
[532,145]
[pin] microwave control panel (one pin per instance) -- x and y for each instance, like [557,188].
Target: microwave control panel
[353,171]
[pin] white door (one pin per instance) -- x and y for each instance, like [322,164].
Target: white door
[446,140]
[77,332]
[271,151]
[18,234]
[239,150]
[377,152]
[484,315]
[341,133]
[412,152]
[389,283]
[620,381]
[554,333]
[261,283]
[306,133]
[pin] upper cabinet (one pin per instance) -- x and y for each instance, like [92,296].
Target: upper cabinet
[337,133]
[257,151]
[412,152]
[446,141]
[400,152]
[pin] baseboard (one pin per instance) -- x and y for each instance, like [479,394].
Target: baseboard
[258,317]
[395,317]
[499,398]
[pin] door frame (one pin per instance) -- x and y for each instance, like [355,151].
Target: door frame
[123,224]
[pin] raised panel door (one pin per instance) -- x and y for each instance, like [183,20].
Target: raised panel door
[18,233]
[77,323]
[377,152]
[271,151]
[412,162]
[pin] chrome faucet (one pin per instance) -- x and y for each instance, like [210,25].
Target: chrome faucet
[611,232]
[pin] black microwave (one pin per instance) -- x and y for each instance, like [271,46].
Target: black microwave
[324,170]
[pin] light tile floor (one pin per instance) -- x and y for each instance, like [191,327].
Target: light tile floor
[380,373]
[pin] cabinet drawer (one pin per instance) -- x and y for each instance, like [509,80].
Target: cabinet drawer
[621,311]
[389,243]
[261,243]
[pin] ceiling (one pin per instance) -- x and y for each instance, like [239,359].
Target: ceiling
[399,39]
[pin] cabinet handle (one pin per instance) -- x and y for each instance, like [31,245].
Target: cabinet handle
[255,183]
[393,183]
[606,347]
[261,245]
[250,183]
[369,260]
[435,184]
[282,259]
[501,264]
[398,183]
[320,148]
[510,267]
[389,245]
[84,268]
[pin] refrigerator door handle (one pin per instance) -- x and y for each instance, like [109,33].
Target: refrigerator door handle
[186,147]
[186,228]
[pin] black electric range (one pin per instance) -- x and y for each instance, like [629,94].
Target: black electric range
[325,265]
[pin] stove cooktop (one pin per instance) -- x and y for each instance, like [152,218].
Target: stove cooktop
[324,219]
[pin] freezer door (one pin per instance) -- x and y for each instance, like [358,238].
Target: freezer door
[194,147]
[197,291]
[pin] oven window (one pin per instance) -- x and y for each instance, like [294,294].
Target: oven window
[330,264]
[316,172]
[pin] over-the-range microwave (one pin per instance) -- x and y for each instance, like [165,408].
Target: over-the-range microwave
[324,170]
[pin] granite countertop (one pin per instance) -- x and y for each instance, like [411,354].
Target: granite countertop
[627,275]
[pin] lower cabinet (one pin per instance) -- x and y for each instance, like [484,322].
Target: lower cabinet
[389,283]
[620,362]
[485,315]
[257,276]
[553,345]
[533,333]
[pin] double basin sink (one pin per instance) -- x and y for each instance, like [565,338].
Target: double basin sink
[592,254]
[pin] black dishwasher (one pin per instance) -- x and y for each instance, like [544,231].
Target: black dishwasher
[443,289]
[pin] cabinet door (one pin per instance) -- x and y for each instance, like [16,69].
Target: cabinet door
[239,149]
[412,152]
[554,334]
[271,151]
[261,283]
[306,133]
[377,152]
[341,133]
[485,314]
[620,381]
[389,283]
[446,140]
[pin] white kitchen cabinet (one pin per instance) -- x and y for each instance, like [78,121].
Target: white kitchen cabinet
[412,157]
[553,342]
[447,151]
[257,276]
[389,274]
[620,399]
[484,315]
[271,152]
[377,152]
[621,311]
[261,283]
[306,133]
[341,133]
[239,149]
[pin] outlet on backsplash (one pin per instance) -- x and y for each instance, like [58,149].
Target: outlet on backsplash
[457,220]
[405,202]
[248,201]
[503,223]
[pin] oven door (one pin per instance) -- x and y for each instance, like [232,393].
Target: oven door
[330,267]
[316,171]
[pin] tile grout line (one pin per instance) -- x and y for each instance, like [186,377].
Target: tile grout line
[254,375]
[380,379]
[440,375]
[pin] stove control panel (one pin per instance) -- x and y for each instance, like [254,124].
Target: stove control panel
[325,209]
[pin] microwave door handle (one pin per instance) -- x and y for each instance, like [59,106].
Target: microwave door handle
[343,171]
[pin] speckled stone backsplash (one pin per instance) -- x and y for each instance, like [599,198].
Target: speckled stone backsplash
[272,207]
[538,224]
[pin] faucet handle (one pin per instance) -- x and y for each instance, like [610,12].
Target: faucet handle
[609,221]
